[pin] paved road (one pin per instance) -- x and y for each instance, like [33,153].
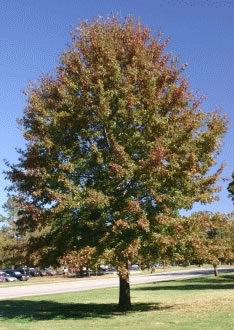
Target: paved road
[93,283]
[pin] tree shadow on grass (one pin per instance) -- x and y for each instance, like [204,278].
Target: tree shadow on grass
[48,310]
[222,282]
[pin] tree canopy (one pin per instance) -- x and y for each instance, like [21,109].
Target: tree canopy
[12,250]
[207,238]
[117,144]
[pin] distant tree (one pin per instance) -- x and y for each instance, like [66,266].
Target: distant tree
[208,238]
[11,245]
[11,209]
[231,188]
[5,241]
[116,145]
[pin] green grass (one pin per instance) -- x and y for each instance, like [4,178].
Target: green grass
[200,303]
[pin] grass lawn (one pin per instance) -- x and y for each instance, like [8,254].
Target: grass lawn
[201,303]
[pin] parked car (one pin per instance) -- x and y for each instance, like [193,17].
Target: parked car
[48,271]
[34,272]
[17,274]
[134,267]
[7,278]
[103,268]
[24,272]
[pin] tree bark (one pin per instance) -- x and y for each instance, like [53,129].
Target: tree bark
[215,270]
[124,290]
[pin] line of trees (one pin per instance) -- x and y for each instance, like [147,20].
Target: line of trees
[117,144]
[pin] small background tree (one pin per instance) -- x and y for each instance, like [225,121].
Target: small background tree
[12,247]
[207,238]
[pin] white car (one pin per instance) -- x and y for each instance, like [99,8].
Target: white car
[8,278]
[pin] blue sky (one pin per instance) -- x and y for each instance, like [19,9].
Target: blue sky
[34,33]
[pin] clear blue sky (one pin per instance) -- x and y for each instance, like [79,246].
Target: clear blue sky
[34,32]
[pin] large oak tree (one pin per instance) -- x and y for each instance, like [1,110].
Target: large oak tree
[116,144]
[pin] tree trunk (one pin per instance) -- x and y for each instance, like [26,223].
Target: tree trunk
[215,270]
[124,290]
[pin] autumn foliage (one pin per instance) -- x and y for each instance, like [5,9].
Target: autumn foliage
[117,144]
[208,238]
